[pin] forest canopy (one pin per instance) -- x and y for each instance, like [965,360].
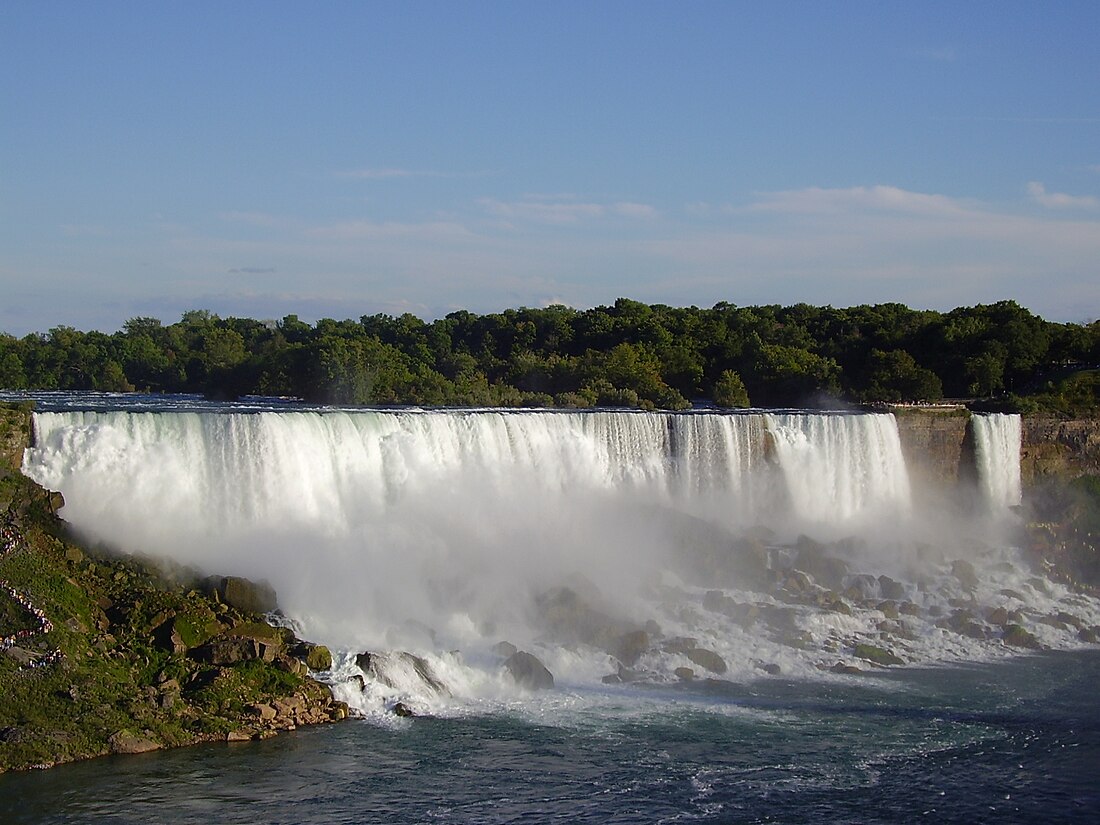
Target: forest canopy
[628,354]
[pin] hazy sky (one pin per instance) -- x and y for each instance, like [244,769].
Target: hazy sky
[341,159]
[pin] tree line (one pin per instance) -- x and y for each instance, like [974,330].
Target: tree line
[629,354]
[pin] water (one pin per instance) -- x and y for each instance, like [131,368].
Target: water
[997,453]
[1013,742]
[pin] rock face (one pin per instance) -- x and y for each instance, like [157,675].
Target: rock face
[1058,449]
[932,442]
[528,672]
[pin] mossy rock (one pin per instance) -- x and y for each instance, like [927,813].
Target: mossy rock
[1016,636]
[876,655]
[318,658]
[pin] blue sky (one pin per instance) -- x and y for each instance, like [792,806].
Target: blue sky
[342,159]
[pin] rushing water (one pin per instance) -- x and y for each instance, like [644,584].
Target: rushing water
[753,555]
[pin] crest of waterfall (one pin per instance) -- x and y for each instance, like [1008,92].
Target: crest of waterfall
[997,456]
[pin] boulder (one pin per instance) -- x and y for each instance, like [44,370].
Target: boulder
[1016,636]
[246,595]
[966,574]
[684,674]
[528,672]
[504,649]
[228,650]
[630,646]
[125,741]
[399,670]
[707,659]
[317,657]
[876,655]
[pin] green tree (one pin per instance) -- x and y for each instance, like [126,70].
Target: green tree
[729,390]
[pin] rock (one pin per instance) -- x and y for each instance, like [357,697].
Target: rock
[21,656]
[228,651]
[877,655]
[318,658]
[1016,636]
[125,741]
[264,711]
[998,616]
[403,710]
[684,674]
[770,668]
[528,672]
[889,609]
[1091,635]
[238,735]
[630,646]
[504,649]
[890,589]
[247,595]
[849,670]
[965,573]
[707,659]
[400,669]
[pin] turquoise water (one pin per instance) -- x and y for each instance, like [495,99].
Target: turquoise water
[1016,741]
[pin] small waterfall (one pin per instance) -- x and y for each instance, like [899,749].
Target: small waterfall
[997,456]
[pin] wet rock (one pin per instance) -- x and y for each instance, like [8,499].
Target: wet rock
[630,646]
[707,659]
[125,741]
[1016,636]
[403,710]
[966,574]
[227,651]
[862,588]
[1090,635]
[876,655]
[890,589]
[998,616]
[684,674]
[528,672]
[770,668]
[889,609]
[841,667]
[397,669]
[504,649]
[813,557]
[245,594]
[318,657]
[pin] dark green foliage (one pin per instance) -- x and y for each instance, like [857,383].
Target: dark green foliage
[628,354]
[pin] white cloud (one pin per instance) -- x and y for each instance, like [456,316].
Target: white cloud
[1059,200]
[563,209]
[862,198]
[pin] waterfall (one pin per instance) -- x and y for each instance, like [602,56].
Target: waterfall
[368,519]
[997,456]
